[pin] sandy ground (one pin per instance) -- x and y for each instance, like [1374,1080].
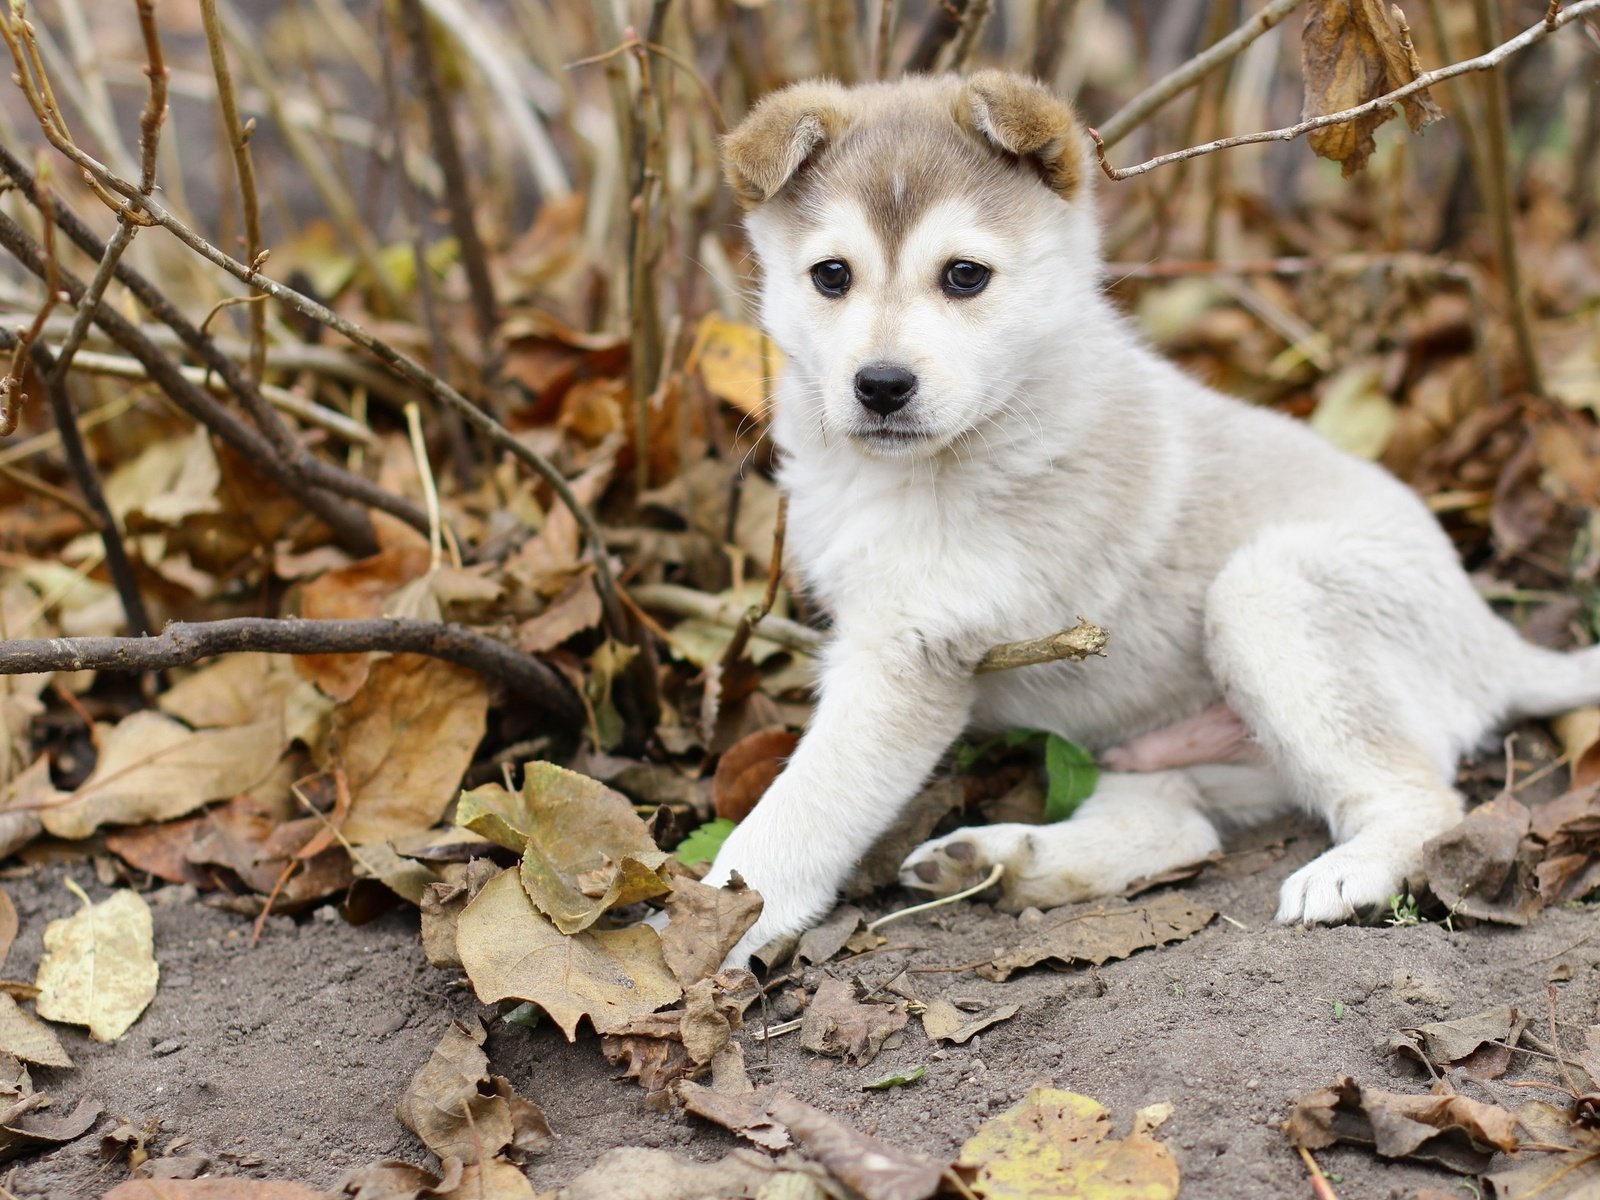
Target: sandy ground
[285,1060]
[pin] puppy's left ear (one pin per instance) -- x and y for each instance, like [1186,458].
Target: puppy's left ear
[1022,117]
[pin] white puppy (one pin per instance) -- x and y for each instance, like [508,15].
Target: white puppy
[977,448]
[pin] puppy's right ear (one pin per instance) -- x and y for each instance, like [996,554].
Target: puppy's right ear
[781,132]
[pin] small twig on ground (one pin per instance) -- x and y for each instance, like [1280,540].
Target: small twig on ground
[1320,1186]
[1555,1039]
[1482,62]
[1148,102]
[754,615]
[993,877]
[182,643]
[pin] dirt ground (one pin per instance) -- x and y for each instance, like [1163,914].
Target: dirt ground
[285,1059]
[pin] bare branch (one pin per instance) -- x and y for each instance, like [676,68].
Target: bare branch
[1132,114]
[12,398]
[182,643]
[1077,644]
[1288,133]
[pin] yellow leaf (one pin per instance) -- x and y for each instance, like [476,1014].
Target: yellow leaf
[1055,1146]
[99,965]
[1354,413]
[736,363]
[151,768]
[511,951]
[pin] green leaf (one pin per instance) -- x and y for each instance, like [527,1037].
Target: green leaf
[525,1014]
[894,1081]
[702,844]
[1072,777]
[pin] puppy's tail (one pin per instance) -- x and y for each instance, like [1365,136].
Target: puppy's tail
[1550,682]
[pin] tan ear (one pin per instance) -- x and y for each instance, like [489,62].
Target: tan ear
[1022,117]
[783,130]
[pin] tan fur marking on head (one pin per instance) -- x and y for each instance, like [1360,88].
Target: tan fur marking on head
[783,130]
[1022,117]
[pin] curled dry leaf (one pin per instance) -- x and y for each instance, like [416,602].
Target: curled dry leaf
[747,769]
[442,904]
[821,942]
[704,923]
[1570,1175]
[1353,51]
[511,951]
[460,1111]
[99,965]
[151,768]
[1453,1131]
[405,739]
[1479,1044]
[583,848]
[22,1129]
[836,1023]
[1057,1143]
[1480,868]
[873,1169]
[745,1115]
[1103,934]
[1570,829]
[944,1022]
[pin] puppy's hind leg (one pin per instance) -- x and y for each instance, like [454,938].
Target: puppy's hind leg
[1325,659]
[1135,825]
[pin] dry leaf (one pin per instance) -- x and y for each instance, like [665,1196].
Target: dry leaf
[511,951]
[633,1173]
[1570,828]
[1478,868]
[747,769]
[1453,1131]
[236,689]
[151,768]
[442,904]
[566,826]
[8,926]
[1058,1143]
[1103,934]
[1480,1044]
[575,609]
[1571,1175]
[745,1115]
[493,1179]
[405,740]
[211,1189]
[348,593]
[1579,734]
[835,1023]
[23,1129]
[99,966]
[1352,51]
[162,850]
[821,942]
[944,1022]
[704,924]
[874,1169]
[453,1105]
[735,362]
[24,1036]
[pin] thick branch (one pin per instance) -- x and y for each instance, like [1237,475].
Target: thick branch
[182,643]
[1077,643]
[1288,133]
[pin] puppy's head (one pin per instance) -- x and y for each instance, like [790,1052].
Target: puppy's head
[921,244]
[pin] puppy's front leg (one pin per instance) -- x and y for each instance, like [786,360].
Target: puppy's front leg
[888,707]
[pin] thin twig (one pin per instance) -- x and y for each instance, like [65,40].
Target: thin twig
[644,315]
[1483,62]
[1077,644]
[183,643]
[1320,1186]
[977,16]
[238,134]
[12,398]
[993,877]
[1148,102]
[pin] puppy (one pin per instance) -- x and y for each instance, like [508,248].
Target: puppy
[976,448]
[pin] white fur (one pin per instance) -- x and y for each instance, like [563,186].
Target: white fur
[1232,554]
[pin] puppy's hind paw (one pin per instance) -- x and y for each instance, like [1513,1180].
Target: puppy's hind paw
[1343,884]
[964,858]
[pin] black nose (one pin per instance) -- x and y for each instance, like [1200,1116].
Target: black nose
[885,389]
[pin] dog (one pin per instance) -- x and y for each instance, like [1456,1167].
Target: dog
[976,448]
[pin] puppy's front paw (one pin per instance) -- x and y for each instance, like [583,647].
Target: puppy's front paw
[1341,885]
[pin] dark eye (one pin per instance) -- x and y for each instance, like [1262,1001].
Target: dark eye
[963,278]
[832,277]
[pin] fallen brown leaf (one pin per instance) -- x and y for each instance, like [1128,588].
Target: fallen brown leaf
[151,768]
[8,926]
[944,1022]
[24,1036]
[1057,1143]
[22,1129]
[460,1111]
[1479,1044]
[747,769]
[1569,826]
[821,942]
[405,739]
[633,1173]
[1570,1175]
[510,950]
[584,850]
[837,1024]
[211,1189]
[1452,1131]
[874,1169]
[442,904]
[704,924]
[1479,868]
[745,1115]
[358,590]
[1103,934]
